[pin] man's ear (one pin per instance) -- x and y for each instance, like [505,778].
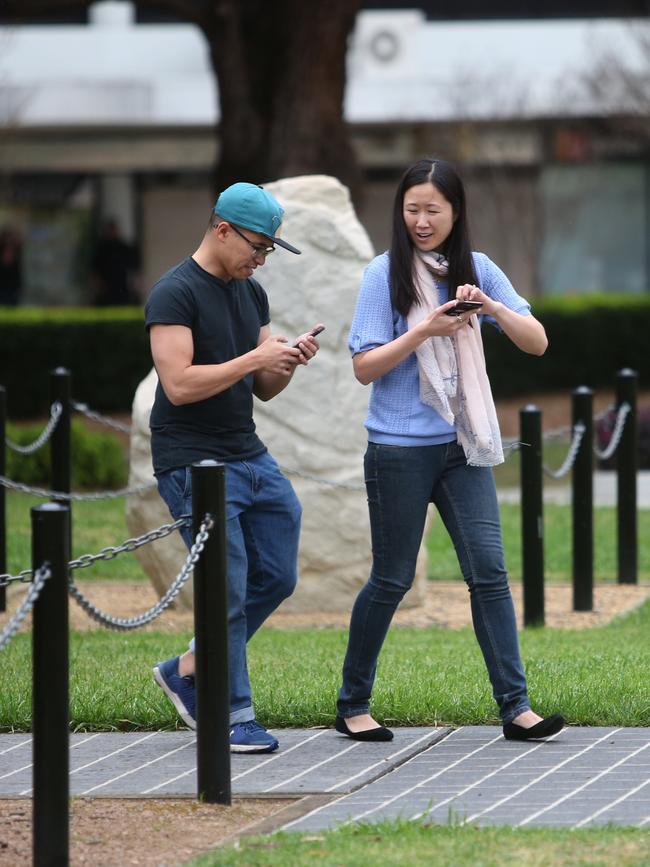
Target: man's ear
[221,228]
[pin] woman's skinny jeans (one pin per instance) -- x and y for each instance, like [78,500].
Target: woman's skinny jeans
[401,482]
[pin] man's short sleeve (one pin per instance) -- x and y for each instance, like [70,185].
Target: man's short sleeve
[262,301]
[170,303]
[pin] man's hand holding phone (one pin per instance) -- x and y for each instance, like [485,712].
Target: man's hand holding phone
[308,345]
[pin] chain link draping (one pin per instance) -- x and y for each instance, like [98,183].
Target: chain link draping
[43,437]
[110,552]
[119,623]
[61,495]
[574,448]
[26,605]
[125,624]
[25,577]
[348,486]
[98,417]
[621,416]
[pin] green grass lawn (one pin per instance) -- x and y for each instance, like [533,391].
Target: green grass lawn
[425,676]
[405,843]
[95,525]
[443,565]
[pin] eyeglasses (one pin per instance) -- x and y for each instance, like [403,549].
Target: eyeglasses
[258,249]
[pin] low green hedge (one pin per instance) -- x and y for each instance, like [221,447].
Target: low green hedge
[107,351]
[591,337]
[98,458]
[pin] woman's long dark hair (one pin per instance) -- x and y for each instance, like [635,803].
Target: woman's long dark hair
[457,248]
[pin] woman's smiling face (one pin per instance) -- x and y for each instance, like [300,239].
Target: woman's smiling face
[428,216]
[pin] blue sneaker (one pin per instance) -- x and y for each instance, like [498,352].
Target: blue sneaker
[251,737]
[179,690]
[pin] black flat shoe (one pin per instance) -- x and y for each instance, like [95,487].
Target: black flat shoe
[380,734]
[551,725]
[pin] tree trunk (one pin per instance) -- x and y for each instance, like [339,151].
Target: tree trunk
[281,73]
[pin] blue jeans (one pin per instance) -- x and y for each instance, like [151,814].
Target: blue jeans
[401,482]
[262,532]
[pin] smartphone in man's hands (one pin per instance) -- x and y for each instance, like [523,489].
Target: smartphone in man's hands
[312,333]
[463,306]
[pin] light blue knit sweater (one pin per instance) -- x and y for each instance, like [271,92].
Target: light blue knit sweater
[396,415]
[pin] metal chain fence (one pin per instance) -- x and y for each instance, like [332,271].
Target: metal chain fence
[621,416]
[25,577]
[574,448]
[125,624]
[26,605]
[110,552]
[43,437]
[348,486]
[98,417]
[510,444]
[61,495]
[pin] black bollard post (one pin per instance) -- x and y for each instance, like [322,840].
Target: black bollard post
[50,706]
[211,636]
[3,501]
[60,456]
[626,464]
[532,515]
[582,483]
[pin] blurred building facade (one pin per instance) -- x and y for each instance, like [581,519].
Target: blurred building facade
[549,121]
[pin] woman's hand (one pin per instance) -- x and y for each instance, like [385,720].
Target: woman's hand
[439,324]
[524,330]
[469,292]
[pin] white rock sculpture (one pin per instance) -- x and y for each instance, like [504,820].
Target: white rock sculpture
[314,428]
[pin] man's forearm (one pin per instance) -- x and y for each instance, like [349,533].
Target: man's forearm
[268,385]
[200,381]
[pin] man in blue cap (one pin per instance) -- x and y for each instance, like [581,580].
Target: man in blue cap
[208,322]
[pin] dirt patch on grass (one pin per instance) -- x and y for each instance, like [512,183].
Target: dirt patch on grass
[446,603]
[150,833]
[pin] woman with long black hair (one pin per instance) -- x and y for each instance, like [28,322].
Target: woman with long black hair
[433,436]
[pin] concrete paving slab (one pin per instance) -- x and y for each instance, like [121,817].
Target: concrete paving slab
[163,764]
[580,778]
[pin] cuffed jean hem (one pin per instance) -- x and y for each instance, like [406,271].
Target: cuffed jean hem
[508,718]
[358,710]
[244,714]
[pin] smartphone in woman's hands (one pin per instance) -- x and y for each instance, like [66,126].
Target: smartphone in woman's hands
[463,306]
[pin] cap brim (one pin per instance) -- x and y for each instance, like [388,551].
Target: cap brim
[284,244]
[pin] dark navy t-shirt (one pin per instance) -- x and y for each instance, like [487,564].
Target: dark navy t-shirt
[225,320]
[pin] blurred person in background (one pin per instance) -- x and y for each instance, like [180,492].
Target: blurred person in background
[11,266]
[114,266]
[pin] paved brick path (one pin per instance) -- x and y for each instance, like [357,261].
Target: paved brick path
[584,776]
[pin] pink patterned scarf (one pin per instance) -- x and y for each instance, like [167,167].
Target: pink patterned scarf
[453,378]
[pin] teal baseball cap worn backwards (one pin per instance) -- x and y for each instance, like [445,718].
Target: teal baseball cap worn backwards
[249,206]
